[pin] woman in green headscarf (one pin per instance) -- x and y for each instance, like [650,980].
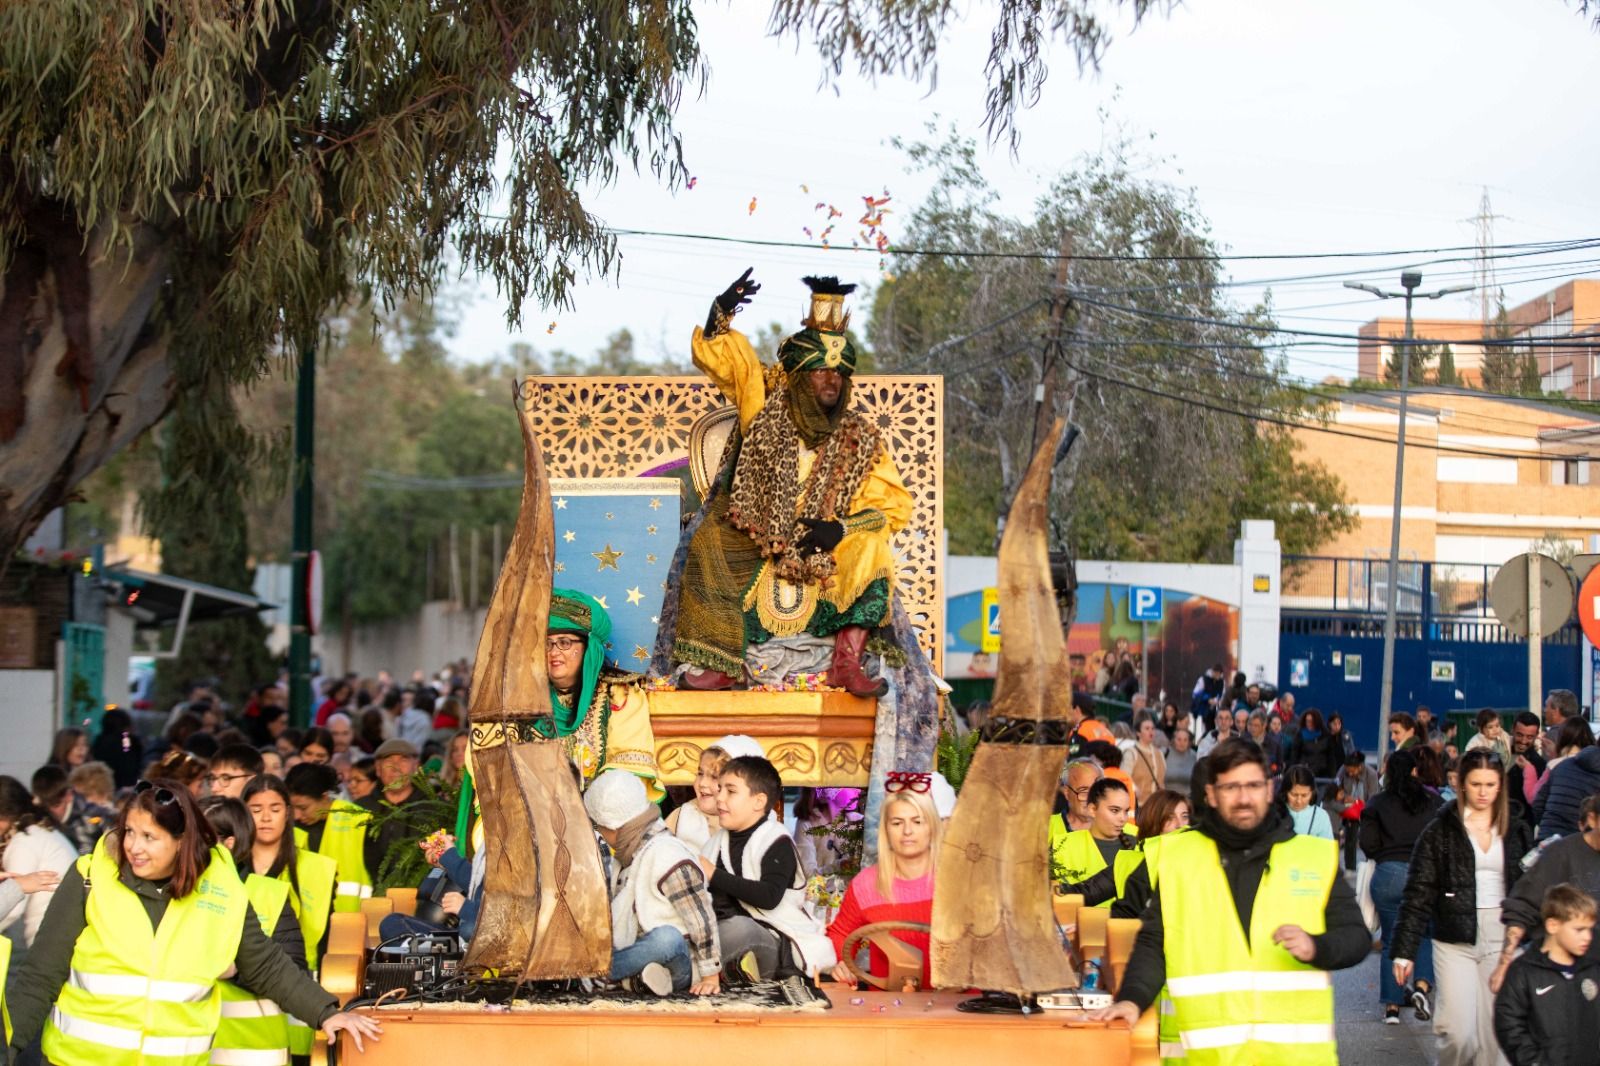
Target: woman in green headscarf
[599,711]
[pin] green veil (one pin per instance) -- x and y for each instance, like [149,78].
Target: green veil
[572,611]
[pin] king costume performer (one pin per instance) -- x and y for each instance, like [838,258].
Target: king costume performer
[797,536]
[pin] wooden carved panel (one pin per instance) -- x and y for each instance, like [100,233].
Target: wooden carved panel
[603,427]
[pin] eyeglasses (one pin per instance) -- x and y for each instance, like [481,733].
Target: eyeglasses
[897,781]
[1240,788]
[222,779]
[564,644]
[164,796]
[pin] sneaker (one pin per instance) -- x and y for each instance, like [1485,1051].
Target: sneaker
[1419,1003]
[1391,1015]
[657,978]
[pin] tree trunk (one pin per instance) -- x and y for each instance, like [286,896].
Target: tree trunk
[65,429]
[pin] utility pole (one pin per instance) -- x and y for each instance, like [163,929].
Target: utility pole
[305,411]
[1409,280]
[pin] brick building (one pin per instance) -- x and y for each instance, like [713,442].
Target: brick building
[1571,310]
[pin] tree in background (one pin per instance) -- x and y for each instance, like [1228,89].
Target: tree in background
[1155,476]
[189,187]
[1422,360]
[1507,369]
[1446,373]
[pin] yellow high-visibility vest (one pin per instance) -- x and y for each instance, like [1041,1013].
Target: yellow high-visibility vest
[1239,1003]
[313,904]
[254,1031]
[138,996]
[344,839]
[1166,1014]
[1078,859]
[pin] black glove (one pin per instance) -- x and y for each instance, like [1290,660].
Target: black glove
[821,535]
[731,300]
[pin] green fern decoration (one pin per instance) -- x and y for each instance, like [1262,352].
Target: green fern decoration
[953,755]
[403,864]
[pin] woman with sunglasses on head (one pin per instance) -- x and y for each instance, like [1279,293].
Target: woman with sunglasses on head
[899,886]
[1465,863]
[309,878]
[129,960]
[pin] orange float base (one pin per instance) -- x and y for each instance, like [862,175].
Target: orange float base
[912,1033]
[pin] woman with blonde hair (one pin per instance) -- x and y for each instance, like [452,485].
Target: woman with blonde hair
[899,886]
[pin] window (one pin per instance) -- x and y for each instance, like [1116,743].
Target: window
[1569,472]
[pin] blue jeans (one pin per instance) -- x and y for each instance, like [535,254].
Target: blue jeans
[663,944]
[1388,886]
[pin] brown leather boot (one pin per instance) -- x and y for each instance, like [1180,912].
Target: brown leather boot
[846,672]
[702,680]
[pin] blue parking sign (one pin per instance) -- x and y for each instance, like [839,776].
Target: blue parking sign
[1144,603]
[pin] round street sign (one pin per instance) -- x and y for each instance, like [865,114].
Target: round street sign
[1508,594]
[1589,606]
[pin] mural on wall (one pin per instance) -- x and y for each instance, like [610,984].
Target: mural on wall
[1194,634]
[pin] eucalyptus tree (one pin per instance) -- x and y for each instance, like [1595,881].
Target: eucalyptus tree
[187,188]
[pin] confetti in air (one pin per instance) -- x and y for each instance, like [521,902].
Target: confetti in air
[752,205]
[691,183]
[552,328]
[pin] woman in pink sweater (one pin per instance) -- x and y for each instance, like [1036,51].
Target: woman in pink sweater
[899,887]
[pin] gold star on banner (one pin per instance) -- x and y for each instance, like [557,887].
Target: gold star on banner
[602,601]
[640,654]
[561,504]
[561,568]
[609,516]
[569,536]
[651,559]
[655,505]
[655,620]
[650,530]
[635,597]
[608,558]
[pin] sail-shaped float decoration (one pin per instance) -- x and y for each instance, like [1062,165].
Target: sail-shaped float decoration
[546,911]
[993,924]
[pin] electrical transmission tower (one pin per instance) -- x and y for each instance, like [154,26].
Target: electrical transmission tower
[1483,279]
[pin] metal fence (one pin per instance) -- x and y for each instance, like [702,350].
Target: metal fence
[1339,583]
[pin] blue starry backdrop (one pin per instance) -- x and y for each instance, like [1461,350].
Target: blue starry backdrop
[614,540]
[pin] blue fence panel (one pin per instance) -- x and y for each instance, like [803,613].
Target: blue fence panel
[1490,667]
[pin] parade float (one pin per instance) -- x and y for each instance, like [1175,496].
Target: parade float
[619,475]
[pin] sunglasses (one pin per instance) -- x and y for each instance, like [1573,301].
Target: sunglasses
[898,781]
[164,796]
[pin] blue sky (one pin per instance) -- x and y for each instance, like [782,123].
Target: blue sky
[1301,127]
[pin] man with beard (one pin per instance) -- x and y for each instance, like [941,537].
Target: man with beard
[796,539]
[1527,763]
[1297,919]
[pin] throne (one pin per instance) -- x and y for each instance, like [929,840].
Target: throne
[625,428]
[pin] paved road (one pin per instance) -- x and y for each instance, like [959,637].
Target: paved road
[1358,1023]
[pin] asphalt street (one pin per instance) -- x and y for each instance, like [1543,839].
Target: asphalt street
[1359,1028]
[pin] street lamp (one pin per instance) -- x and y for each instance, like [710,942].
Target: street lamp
[1409,280]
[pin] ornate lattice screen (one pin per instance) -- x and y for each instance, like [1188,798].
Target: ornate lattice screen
[623,427]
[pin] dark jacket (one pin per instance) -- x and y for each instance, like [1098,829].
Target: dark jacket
[1544,1018]
[1317,753]
[1441,883]
[1345,942]
[1569,860]
[1555,808]
[1389,831]
[263,967]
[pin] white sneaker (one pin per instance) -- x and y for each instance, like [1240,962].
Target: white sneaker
[657,978]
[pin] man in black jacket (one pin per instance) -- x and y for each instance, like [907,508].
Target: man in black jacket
[1239,816]
[1548,1010]
[1572,860]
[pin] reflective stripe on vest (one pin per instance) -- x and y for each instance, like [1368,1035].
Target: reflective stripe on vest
[127,1039]
[1171,1049]
[1239,1001]
[143,996]
[354,888]
[249,1057]
[250,1008]
[107,984]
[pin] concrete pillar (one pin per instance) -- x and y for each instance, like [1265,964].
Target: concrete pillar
[1259,560]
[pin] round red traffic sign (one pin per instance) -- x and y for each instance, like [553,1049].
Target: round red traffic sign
[1589,606]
